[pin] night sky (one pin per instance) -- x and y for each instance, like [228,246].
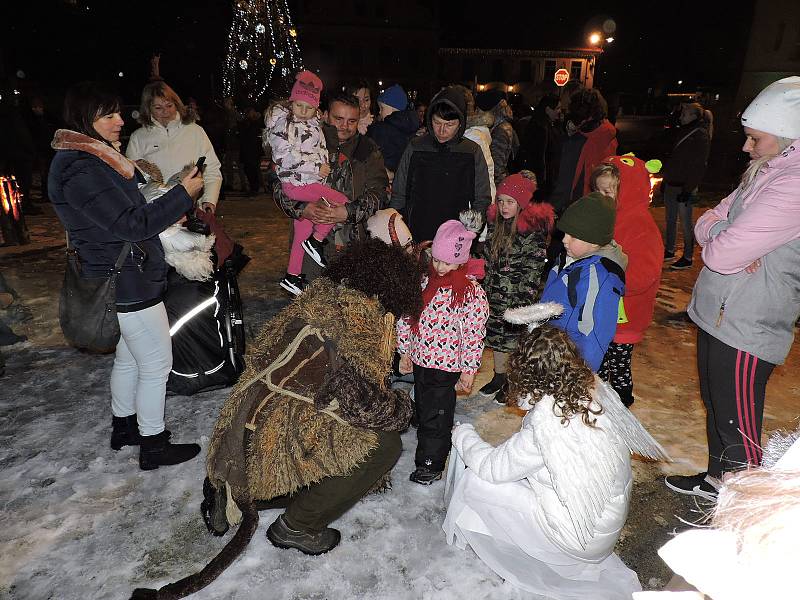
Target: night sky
[58,42]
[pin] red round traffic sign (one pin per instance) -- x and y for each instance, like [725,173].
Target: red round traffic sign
[561,77]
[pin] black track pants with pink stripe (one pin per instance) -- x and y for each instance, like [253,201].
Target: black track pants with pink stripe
[732,385]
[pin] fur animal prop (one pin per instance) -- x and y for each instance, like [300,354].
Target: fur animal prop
[314,388]
[188,252]
[753,532]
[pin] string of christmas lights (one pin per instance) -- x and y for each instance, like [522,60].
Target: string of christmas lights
[263,54]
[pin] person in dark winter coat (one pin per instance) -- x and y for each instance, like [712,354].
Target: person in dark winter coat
[251,149]
[94,190]
[397,125]
[441,173]
[17,148]
[540,147]
[590,139]
[683,172]
[515,256]
[42,128]
[505,142]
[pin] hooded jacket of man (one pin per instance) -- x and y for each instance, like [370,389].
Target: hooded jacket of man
[434,182]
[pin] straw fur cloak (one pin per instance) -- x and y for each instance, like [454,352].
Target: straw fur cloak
[315,385]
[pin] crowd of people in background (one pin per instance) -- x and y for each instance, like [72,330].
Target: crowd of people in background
[515,215]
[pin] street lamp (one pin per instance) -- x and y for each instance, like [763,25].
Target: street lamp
[599,40]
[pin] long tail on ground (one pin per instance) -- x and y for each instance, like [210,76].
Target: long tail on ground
[197,581]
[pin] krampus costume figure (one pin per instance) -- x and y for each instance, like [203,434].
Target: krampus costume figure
[312,424]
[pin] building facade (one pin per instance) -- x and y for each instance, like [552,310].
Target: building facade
[773,51]
[526,72]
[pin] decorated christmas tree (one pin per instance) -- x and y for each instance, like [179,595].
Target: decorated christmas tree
[263,55]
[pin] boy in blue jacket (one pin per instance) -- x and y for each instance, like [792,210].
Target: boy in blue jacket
[589,278]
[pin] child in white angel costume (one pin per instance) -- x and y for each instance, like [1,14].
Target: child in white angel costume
[545,509]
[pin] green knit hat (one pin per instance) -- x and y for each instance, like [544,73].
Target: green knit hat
[590,219]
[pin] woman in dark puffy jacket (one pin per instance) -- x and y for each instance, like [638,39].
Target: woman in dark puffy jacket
[94,190]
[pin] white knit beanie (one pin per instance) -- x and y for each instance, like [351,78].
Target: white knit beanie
[776,109]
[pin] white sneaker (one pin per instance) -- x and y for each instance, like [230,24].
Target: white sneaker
[294,284]
[314,248]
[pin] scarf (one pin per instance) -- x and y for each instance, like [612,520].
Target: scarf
[459,281]
[65,139]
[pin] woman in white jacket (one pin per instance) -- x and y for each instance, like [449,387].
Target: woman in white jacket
[545,509]
[170,139]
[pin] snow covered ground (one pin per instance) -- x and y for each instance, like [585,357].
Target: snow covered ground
[80,521]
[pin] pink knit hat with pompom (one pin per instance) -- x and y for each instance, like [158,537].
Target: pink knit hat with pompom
[452,242]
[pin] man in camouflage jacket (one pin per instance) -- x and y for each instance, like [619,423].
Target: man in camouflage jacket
[357,170]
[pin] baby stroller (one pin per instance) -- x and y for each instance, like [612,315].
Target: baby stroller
[203,303]
[205,318]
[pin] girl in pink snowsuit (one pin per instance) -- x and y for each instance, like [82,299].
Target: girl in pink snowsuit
[294,133]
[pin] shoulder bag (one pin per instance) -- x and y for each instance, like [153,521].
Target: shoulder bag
[87,307]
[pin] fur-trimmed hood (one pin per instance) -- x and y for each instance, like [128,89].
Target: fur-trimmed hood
[480,119]
[535,217]
[66,139]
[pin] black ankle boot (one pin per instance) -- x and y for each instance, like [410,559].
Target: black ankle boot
[125,432]
[494,386]
[156,451]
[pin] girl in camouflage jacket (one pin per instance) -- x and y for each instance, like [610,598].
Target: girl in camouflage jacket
[515,253]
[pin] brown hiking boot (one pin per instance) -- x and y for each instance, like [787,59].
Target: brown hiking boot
[308,542]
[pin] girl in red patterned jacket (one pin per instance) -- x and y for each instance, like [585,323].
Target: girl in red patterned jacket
[444,344]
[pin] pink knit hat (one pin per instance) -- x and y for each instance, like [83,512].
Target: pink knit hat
[518,187]
[307,87]
[452,242]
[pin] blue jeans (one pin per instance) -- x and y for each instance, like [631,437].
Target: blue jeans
[684,209]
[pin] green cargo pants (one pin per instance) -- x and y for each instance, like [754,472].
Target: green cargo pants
[317,506]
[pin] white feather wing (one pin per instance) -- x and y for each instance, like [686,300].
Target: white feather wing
[584,462]
[626,425]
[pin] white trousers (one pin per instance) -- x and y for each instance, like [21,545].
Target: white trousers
[141,367]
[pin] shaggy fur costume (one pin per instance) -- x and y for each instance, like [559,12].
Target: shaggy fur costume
[314,388]
[324,445]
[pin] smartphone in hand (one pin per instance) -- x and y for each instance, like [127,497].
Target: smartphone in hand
[326,202]
[200,164]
